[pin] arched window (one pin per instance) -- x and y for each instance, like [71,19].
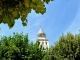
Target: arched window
[46,48]
[46,43]
[42,43]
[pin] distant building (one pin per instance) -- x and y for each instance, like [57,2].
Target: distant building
[41,37]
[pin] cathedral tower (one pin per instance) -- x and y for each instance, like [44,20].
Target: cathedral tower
[41,37]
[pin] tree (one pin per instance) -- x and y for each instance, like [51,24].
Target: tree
[49,55]
[10,10]
[67,47]
[18,47]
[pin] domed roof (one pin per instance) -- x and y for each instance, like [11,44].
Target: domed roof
[40,31]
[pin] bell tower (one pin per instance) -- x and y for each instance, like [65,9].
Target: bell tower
[41,37]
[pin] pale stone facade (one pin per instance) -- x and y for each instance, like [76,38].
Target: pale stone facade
[41,37]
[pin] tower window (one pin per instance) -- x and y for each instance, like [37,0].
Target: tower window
[46,43]
[47,48]
[38,43]
[43,48]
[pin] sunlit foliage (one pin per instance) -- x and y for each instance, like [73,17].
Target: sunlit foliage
[18,47]
[67,47]
[10,10]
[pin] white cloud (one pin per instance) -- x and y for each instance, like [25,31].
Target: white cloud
[75,26]
[31,29]
[38,22]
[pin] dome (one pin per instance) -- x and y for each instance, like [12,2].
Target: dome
[40,31]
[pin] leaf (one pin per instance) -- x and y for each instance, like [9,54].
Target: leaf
[1,12]
[27,3]
[24,23]
[15,8]
[15,13]
[23,18]
[5,19]
[10,9]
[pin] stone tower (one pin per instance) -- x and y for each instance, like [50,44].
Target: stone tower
[41,37]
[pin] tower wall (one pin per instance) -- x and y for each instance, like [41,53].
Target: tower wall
[41,37]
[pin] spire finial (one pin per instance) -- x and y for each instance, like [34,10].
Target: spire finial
[40,31]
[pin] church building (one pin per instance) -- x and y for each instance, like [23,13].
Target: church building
[41,37]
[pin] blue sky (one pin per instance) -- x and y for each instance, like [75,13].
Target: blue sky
[61,16]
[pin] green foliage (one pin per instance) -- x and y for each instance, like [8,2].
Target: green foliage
[10,10]
[18,47]
[67,48]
